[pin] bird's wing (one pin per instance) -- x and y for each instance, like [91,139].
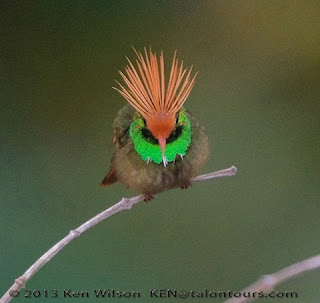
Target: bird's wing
[121,126]
[121,137]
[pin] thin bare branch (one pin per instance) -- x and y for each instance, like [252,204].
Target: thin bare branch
[124,204]
[267,283]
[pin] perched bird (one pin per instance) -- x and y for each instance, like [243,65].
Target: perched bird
[159,143]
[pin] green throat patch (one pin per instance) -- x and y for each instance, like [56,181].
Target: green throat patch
[149,149]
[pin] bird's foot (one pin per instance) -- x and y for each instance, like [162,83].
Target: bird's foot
[148,197]
[185,184]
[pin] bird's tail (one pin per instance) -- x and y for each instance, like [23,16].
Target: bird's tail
[110,178]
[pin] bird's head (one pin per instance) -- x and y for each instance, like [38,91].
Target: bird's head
[159,104]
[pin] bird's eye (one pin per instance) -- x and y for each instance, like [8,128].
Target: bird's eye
[148,136]
[175,134]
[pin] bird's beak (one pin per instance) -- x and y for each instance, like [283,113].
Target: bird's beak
[162,143]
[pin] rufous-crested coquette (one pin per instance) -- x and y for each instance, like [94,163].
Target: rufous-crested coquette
[160,145]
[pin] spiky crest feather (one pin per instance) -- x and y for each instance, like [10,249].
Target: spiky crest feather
[147,93]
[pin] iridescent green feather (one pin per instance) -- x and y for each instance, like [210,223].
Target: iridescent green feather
[149,150]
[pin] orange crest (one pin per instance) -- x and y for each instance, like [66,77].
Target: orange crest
[146,90]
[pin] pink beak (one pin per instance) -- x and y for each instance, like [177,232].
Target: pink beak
[162,143]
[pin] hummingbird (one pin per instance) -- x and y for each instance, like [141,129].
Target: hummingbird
[159,144]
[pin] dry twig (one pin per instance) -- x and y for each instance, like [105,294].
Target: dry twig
[268,282]
[124,204]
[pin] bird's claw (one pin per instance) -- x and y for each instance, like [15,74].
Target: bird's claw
[148,197]
[185,184]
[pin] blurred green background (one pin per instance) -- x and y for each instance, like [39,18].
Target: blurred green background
[257,94]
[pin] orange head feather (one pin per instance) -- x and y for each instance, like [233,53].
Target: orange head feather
[147,93]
